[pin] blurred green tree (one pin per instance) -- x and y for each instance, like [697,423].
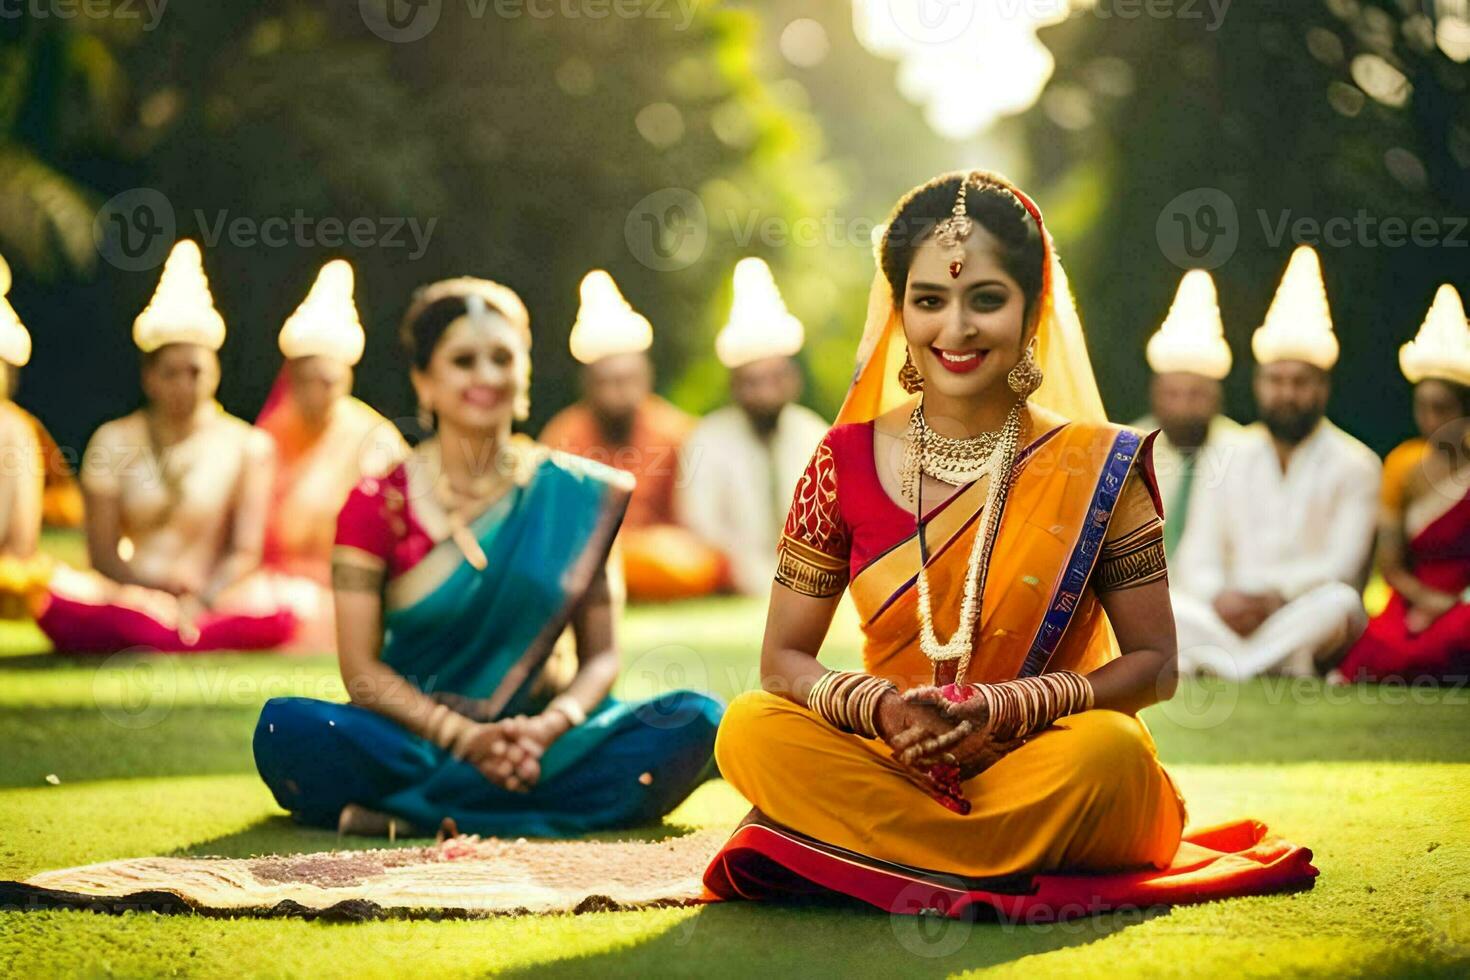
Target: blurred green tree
[525,147]
[60,103]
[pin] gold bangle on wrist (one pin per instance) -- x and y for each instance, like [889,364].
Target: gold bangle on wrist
[445,726]
[434,727]
[568,707]
[848,700]
[1024,706]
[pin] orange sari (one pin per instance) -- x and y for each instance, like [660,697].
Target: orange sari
[1088,793]
[1038,613]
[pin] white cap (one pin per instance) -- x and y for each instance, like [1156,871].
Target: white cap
[1441,349]
[606,323]
[1298,324]
[760,326]
[326,322]
[1192,336]
[15,339]
[182,309]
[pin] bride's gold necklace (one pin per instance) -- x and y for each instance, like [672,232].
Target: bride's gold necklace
[956,461]
[992,455]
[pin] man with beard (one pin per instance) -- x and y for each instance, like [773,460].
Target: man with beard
[1189,358]
[1269,577]
[621,422]
[742,463]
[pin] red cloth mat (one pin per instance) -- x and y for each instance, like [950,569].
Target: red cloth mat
[763,862]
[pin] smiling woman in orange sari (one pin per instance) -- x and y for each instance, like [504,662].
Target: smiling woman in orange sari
[1011,634]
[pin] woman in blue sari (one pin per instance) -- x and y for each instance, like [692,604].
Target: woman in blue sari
[454,577]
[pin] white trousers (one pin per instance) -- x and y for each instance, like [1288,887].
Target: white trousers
[1291,641]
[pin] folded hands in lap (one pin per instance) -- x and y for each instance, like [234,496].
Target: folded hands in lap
[925,729]
[508,752]
[1244,612]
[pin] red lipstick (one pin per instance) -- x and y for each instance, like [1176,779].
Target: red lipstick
[959,361]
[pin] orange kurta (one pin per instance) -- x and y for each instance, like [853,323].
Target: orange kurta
[661,559]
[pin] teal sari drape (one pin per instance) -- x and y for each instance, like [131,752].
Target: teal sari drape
[485,635]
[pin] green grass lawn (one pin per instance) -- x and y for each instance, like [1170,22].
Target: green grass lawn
[152,756]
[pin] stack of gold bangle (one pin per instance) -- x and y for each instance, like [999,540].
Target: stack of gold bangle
[569,708]
[848,700]
[445,726]
[1026,705]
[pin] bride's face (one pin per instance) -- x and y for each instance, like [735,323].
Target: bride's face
[964,334]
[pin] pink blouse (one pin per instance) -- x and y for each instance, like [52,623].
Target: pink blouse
[378,519]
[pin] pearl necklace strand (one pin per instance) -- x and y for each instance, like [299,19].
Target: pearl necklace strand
[997,466]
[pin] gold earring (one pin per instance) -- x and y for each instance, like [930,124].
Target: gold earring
[426,417]
[909,376]
[1026,376]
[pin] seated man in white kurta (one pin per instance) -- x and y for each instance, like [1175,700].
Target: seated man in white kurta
[741,464]
[1269,577]
[1189,358]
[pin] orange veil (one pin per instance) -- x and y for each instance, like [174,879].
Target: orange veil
[1069,390]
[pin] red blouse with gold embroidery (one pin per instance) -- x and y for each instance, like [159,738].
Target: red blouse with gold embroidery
[841,519]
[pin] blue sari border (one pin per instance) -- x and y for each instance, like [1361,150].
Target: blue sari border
[1074,577]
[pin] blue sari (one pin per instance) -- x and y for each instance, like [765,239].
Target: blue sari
[479,641]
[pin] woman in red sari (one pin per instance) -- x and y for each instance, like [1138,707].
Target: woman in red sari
[1424,526]
[1003,546]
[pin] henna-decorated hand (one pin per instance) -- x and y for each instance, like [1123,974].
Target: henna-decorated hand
[975,710]
[973,754]
[913,729]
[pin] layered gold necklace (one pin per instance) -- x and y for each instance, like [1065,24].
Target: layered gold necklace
[959,461]
[956,461]
[461,505]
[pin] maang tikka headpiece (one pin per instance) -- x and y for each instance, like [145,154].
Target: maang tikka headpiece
[952,231]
